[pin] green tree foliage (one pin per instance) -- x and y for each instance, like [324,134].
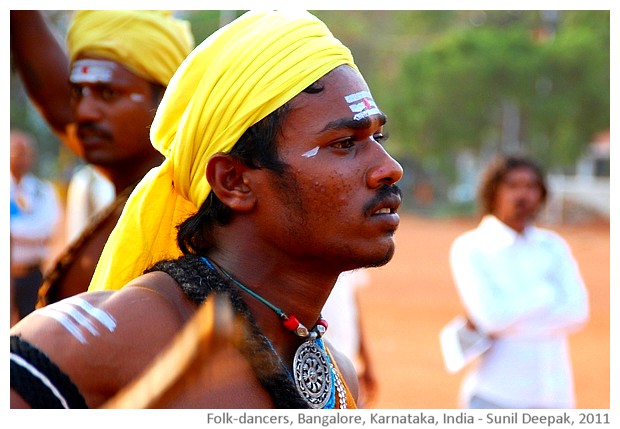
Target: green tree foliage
[551,79]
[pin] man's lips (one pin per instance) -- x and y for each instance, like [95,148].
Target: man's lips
[386,201]
[387,206]
[91,140]
[91,134]
[385,212]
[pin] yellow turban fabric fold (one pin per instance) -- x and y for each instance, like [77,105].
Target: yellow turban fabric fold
[151,44]
[236,77]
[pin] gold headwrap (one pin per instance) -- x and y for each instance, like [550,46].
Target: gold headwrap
[151,44]
[235,78]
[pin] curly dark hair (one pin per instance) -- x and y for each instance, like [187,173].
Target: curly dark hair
[495,173]
[256,148]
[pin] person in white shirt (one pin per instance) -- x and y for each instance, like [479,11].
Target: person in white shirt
[35,211]
[521,286]
[89,193]
[346,332]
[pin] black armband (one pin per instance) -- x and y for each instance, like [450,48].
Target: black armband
[39,381]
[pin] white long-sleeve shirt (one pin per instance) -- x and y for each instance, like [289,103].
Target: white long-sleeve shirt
[342,313]
[525,290]
[89,192]
[35,211]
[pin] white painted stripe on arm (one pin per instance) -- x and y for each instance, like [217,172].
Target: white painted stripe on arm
[82,320]
[102,316]
[65,321]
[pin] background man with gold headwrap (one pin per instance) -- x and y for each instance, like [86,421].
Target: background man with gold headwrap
[100,100]
[275,181]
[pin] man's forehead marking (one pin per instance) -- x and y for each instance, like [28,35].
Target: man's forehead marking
[92,71]
[357,96]
[362,104]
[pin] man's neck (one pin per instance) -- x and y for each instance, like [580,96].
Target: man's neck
[282,285]
[518,225]
[17,178]
[123,175]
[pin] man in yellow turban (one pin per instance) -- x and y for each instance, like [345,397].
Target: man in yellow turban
[275,181]
[100,100]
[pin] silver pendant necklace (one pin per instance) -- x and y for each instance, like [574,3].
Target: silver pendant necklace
[314,374]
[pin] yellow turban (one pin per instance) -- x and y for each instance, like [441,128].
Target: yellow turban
[151,44]
[235,78]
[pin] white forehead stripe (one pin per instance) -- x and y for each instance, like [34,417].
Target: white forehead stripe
[78,316]
[92,71]
[362,104]
[366,113]
[357,96]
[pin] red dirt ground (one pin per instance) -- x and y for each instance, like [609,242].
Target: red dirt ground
[413,296]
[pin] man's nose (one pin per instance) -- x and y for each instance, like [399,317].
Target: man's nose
[87,107]
[385,170]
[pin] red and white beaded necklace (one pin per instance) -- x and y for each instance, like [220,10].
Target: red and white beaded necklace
[314,374]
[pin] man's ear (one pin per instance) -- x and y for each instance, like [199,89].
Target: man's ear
[227,177]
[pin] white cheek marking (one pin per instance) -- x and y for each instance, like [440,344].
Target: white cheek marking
[136,98]
[311,153]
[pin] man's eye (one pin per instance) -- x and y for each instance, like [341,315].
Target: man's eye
[76,92]
[380,138]
[108,94]
[344,144]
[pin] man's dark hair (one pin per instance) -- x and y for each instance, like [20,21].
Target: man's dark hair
[157,92]
[497,171]
[256,148]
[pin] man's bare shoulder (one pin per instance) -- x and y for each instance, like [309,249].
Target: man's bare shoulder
[346,369]
[102,340]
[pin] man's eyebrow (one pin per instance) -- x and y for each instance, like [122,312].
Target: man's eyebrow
[350,123]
